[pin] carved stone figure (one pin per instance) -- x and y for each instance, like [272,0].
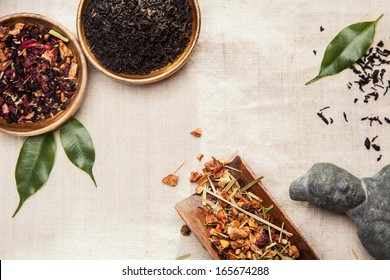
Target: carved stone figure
[366,201]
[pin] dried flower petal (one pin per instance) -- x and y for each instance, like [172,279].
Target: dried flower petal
[200,156]
[170,180]
[197,132]
[195,176]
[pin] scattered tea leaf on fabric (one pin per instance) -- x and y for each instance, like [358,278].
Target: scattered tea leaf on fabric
[35,162]
[346,48]
[78,146]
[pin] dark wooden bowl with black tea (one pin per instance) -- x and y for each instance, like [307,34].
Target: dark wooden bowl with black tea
[138,42]
[20,125]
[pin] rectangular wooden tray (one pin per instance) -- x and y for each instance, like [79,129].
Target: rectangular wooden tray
[193,213]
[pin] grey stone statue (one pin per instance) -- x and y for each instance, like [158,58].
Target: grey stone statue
[366,201]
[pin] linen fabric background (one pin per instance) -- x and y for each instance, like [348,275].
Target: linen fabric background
[245,87]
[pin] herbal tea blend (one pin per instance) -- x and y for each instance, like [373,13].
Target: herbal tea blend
[37,73]
[240,225]
[137,36]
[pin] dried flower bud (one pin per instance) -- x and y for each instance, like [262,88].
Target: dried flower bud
[185,230]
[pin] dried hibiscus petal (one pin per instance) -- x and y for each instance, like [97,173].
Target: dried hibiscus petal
[37,73]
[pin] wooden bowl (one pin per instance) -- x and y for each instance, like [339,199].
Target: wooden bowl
[154,76]
[193,213]
[40,127]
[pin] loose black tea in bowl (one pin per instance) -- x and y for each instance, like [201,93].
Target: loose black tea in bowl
[137,37]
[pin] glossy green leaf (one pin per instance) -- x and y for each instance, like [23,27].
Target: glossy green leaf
[35,162]
[78,146]
[346,48]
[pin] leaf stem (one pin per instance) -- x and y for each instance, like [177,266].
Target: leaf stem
[381,16]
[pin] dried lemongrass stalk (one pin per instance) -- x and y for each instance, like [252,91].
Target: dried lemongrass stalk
[250,214]
[251,184]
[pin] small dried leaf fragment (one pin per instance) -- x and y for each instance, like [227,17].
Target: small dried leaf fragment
[197,132]
[170,180]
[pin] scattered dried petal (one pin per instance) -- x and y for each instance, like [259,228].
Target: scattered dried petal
[197,132]
[199,157]
[195,176]
[170,180]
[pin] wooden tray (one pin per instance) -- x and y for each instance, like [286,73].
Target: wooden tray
[193,213]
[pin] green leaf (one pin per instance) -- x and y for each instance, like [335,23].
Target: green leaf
[251,184]
[346,48]
[35,162]
[78,146]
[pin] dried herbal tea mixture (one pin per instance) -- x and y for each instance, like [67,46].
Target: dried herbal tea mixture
[137,36]
[37,73]
[371,87]
[240,226]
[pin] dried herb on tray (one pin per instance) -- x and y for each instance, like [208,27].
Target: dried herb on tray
[137,36]
[38,73]
[240,226]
